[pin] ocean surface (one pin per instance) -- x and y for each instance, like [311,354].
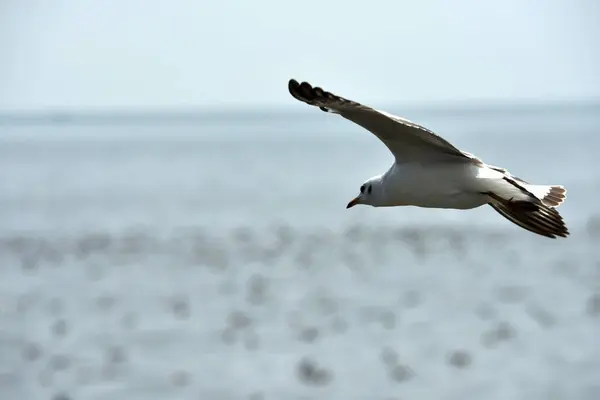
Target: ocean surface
[214,259]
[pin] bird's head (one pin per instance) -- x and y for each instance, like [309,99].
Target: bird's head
[370,193]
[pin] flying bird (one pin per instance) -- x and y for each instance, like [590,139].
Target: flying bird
[428,171]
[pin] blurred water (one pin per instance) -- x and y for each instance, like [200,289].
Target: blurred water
[216,260]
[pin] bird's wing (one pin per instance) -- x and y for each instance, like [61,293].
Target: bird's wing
[406,140]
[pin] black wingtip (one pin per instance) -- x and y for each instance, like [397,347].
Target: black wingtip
[302,91]
[293,86]
[295,89]
[315,95]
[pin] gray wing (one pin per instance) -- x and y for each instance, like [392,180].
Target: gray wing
[406,140]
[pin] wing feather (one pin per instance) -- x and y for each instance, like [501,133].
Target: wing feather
[406,140]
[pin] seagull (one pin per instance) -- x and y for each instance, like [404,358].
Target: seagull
[430,172]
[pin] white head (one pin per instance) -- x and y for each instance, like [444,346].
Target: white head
[371,193]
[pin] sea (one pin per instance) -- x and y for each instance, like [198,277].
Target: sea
[212,257]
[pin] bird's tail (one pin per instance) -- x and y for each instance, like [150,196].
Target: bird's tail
[551,196]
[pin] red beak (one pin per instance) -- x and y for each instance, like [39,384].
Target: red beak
[352,203]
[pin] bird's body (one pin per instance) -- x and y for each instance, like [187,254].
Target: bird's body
[436,186]
[430,172]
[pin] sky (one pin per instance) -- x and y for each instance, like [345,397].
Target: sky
[143,54]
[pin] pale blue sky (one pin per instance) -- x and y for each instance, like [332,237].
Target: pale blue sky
[142,53]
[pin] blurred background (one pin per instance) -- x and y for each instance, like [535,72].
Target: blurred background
[173,222]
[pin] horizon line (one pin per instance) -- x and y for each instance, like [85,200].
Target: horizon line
[67,115]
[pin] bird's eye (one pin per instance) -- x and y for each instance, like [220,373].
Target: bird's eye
[362,189]
[370,189]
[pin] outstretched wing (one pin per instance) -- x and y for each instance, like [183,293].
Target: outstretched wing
[540,219]
[406,140]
